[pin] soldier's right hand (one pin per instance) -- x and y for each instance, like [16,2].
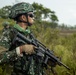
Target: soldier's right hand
[28,49]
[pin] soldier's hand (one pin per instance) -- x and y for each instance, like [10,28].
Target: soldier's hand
[28,49]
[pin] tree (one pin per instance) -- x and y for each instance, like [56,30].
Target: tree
[42,12]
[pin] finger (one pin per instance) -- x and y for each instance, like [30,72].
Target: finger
[35,47]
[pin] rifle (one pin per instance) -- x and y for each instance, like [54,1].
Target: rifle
[41,49]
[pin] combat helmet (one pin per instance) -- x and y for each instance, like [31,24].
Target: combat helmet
[6,23]
[20,8]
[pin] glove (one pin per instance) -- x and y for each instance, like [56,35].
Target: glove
[28,49]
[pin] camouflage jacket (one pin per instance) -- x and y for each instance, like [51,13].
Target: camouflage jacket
[25,65]
[4,38]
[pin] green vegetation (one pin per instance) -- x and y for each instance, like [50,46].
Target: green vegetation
[59,38]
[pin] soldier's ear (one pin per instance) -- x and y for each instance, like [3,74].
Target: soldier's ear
[23,17]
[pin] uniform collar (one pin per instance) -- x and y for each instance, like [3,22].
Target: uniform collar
[19,28]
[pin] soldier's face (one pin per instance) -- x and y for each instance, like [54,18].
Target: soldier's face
[31,17]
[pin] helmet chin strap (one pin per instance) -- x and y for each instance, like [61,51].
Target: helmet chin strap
[22,21]
[29,24]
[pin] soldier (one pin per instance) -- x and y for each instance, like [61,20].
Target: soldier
[22,57]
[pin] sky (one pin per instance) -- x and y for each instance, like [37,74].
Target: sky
[64,9]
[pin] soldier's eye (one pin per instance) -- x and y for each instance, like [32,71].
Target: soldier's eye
[31,15]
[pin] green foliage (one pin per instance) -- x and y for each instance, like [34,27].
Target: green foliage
[42,12]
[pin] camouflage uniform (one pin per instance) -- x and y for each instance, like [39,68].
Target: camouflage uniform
[24,65]
[5,26]
[5,33]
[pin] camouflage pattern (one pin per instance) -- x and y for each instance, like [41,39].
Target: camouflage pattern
[7,56]
[4,39]
[5,23]
[20,8]
[25,65]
